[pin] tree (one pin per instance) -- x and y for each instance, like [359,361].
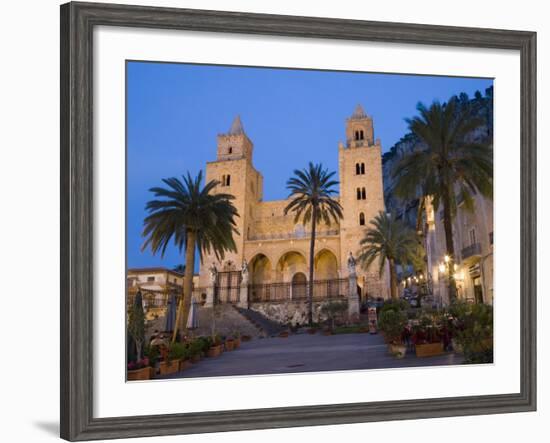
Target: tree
[194,218]
[389,240]
[311,193]
[136,324]
[449,166]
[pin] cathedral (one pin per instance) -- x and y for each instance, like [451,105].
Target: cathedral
[274,249]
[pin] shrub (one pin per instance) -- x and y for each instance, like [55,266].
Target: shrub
[472,329]
[177,351]
[392,322]
[334,309]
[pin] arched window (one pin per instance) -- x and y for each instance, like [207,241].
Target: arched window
[363,194]
[362,135]
[356,135]
[358,194]
[230,150]
[357,169]
[228,180]
[362,219]
[362,168]
[223,180]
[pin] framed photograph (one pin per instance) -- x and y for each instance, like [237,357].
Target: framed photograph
[274,221]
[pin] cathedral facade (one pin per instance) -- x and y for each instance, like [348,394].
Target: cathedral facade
[275,249]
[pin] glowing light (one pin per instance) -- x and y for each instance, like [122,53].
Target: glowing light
[441,268]
[447,258]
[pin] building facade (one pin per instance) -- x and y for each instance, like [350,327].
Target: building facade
[275,248]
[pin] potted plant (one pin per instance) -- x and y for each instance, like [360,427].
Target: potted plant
[176,353]
[139,370]
[229,343]
[392,322]
[237,338]
[427,338]
[216,347]
[195,350]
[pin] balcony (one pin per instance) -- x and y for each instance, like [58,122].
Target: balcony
[471,251]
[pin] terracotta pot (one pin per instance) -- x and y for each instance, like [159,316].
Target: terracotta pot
[184,364]
[214,351]
[139,374]
[429,349]
[237,342]
[169,367]
[398,351]
[283,334]
[229,345]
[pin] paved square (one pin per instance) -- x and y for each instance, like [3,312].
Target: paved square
[310,353]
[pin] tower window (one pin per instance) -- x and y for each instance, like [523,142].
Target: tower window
[357,169]
[358,194]
[361,135]
[223,180]
[230,150]
[228,180]
[362,168]
[363,194]
[362,219]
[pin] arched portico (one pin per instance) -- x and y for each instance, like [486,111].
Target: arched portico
[326,265]
[260,269]
[289,264]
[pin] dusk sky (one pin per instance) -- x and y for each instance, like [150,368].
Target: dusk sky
[175,111]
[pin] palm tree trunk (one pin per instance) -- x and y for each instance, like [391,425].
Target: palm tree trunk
[185,302]
[448,227]
[311,266]
[393,280]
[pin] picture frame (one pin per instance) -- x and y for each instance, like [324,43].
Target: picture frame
[77,219]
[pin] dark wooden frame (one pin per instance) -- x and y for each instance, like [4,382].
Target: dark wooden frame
[77,23]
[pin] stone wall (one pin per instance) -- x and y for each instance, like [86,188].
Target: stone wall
[291,312]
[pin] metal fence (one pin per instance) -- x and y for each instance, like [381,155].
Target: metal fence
[277,292]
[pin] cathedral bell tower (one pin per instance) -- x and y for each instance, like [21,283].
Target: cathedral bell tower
[361,190]
[234,171]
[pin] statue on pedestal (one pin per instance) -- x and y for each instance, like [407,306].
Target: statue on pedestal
[244,273]
[213,274]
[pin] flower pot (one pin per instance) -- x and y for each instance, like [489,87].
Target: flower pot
[283,334]
[229,345]
[398,351]
[139,374]
[169,367]
[429,349]
[184,364]
[237,342]
[214,351]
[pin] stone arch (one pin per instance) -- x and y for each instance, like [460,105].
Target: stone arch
[326,264]
[299,285]
[260,269]
[289,263]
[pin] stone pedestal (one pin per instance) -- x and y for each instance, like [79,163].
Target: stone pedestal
[353,300]
[243,297]
[209,303]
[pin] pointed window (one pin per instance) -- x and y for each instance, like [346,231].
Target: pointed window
[228,180]
[230,150]
[357,169]
[362,219]
[361,135]
[363,194]
[358,194]
[362,168]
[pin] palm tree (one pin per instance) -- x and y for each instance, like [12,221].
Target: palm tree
[389,240]
[449,167]
[194,218]
[311,190]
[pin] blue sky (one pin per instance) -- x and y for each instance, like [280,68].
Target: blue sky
[175,111]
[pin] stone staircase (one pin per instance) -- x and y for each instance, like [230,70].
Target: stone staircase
[265,326]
